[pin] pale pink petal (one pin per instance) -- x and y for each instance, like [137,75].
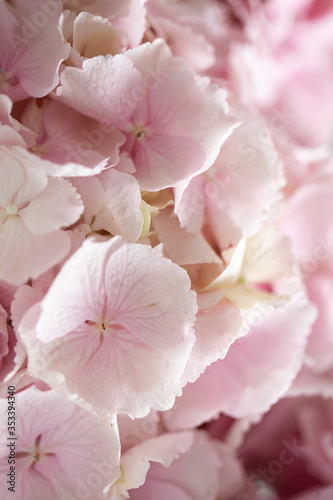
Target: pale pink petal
[11,179]
[181,246]
[45,280]
[198,107]
[34,179]
[73,446]
[95,36]
[125,164]
[240,189]
[249,297]
[25,297]
[172,95]
[198,32]
[66,137]
[12,132]
[133,432]
[215,330]
[8,137]
[304,221]
[174,121]
[101,89]
[254,269]
[319,348]
[132,376]
[119,324]
[163,449]
[268,256]
[209,299]
[73,169]
[24,256]
[134,23]
[11,40]
[234,258]
[248,178]
[190,203]
[92,195]
[120,214]
[184,42]
[311,383]
[146,302]
[232,475]
[192,476]
[7,293]
[221,224]
[68,307]
[57,206]
[36,48]
[163,161]
[257,370]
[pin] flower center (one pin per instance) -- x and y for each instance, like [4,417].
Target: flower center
[36,454]
[99,328]
[12,210]
[140,133]
[7,79]
[38,150]
[103,328]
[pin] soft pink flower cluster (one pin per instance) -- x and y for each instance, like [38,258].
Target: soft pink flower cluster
[166,249]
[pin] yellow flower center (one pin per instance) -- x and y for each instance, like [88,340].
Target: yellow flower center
[12,210]
[140,133]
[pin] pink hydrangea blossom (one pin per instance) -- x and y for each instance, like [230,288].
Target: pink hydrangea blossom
[112,204]
[33,209]
[239,192]
[141,102]
[50,453]
[32,48]
[166,243]
[72,144]
[259,366]
[119,325]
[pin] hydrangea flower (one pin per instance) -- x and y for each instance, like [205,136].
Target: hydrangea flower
[125,322]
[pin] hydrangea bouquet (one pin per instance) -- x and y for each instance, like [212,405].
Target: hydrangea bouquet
[166,249]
